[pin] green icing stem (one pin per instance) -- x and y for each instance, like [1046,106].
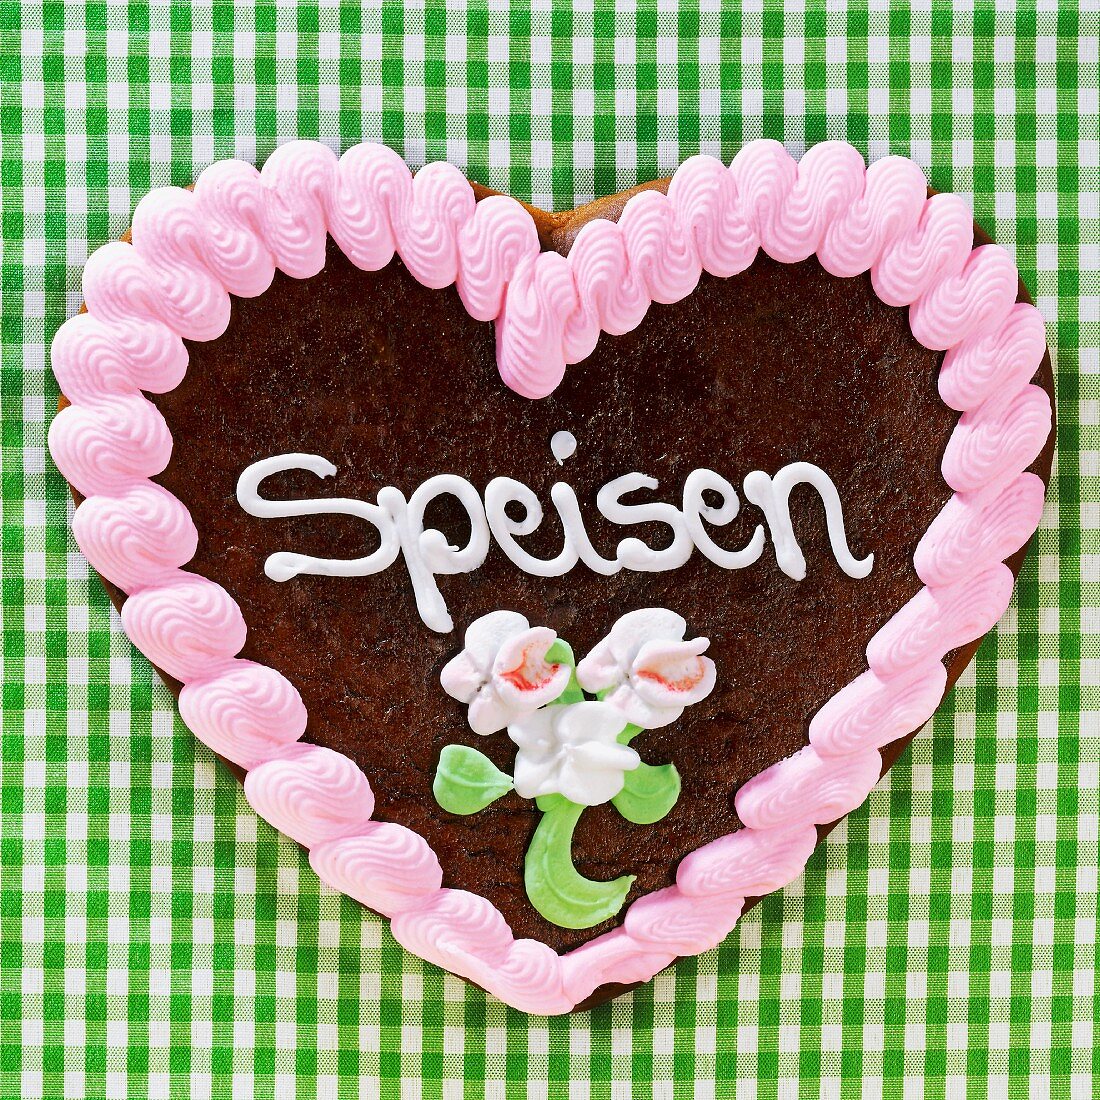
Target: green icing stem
[556,889]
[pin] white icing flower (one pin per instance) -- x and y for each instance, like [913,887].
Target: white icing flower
[503,673]
[647,670]
[572,750]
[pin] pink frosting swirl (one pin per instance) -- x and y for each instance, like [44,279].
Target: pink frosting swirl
[1003,359]
[388,867]
[372,186]
[974,301]
[246,713]
[312,794]
[191,250]
[935,248]
[531,326]
[491,245]
[871,711]
[998,439]
[827,181]
[894,193]
[747,863]
[118,286]
[186,625]
[979,529]
[704,194]
[617,298]
[807,788]
[528,977]
[765,175]
[614,957]
[427,234]
[138,538]
[938,620]
[686,924]
[457,930]
[295,183]
[168,235]
[106,447]
[231,198]
[660,247]
[93,358]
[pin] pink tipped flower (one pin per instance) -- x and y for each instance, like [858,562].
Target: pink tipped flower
[503,673]
[646,669]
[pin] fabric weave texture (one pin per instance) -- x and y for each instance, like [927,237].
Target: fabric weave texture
[158,940]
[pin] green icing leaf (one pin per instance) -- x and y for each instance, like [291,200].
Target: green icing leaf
[561,653]
[467,780]
[556,889]
[649,793]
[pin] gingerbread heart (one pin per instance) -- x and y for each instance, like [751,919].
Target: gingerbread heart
[370,523]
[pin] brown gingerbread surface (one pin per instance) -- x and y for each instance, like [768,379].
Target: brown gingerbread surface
[393,383]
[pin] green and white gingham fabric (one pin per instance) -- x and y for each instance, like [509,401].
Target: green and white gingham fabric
[157,940]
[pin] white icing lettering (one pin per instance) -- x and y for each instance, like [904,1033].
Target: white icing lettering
[428,554]
[283,566]
[695,511]
[772,495]
[633,553]
[498,494]
[569,509]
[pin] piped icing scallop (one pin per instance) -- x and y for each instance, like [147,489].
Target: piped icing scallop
[398,330]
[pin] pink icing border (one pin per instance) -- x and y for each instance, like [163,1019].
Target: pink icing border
[191,250]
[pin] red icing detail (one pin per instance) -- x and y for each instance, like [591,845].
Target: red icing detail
[685,683]
[526,675]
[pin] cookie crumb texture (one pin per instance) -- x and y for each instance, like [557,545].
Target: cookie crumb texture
[393,383]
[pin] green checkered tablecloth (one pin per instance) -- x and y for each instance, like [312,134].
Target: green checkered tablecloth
[156,939]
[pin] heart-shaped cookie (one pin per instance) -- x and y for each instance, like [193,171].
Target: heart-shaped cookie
[556,668]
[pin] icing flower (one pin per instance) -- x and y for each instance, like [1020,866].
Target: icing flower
[572,750]
[646,669]
[503,673]
[575,753]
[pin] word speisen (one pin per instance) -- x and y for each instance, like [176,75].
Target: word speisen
[428,554]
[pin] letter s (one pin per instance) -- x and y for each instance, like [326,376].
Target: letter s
[282,566]
[632,552]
